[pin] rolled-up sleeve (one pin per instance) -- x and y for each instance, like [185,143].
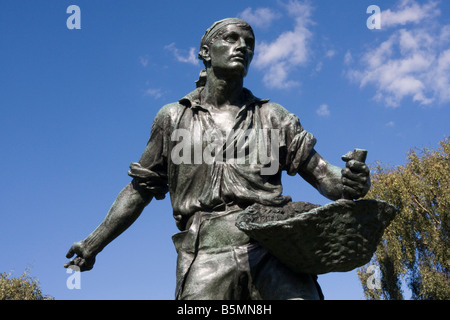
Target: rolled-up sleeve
[299,144]
[150,172]
[149,180]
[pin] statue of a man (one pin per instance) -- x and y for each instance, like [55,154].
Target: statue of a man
[216,260]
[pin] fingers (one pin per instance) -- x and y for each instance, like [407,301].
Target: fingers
[358,167]
[70,253]
[357,185]
[80,260]
[353,189]
[80,263]
[357,171]
[76,248]
[72,264]
[351,193]
[355,179]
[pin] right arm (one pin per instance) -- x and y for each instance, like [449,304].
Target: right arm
[129,204]
[150,180]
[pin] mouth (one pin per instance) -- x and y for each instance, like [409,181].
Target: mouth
[239,58]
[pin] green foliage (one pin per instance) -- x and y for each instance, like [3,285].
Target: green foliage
[415,247]
[22,288]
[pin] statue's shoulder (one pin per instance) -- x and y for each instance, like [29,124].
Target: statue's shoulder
[170,109]
[265,105]
[167,116]
[269,105]
[273,109]
[169,112]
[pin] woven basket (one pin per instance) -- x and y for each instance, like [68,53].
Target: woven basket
[336,237]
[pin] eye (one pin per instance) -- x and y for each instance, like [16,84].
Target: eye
[231,37]
[250,43]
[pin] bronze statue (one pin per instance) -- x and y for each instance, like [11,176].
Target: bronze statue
[201,150]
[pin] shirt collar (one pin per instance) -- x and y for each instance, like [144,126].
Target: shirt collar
[193,100]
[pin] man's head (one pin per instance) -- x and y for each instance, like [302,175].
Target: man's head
[228,45]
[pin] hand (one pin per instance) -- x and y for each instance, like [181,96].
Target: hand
[83,260]
[355,179]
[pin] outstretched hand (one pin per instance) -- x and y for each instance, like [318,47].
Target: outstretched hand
[83,260]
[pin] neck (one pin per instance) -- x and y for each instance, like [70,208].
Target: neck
[223,91]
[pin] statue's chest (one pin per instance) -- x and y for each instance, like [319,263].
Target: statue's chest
[224,119]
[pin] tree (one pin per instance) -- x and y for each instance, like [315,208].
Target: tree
[414,250]
[24,287]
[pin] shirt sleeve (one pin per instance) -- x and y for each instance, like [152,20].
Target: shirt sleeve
[150,172]
[298,142]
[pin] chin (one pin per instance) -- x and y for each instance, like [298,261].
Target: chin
[239,71]
[235,70]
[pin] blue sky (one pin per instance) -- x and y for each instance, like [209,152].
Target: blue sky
[77,107]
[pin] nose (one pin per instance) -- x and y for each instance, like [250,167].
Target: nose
[244,48]
[242,44]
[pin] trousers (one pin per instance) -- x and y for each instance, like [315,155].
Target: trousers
[217,261]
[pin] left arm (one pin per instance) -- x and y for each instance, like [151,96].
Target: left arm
[333,182]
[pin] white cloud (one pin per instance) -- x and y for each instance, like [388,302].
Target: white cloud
[289,50]
[330,53]
[190,57]
[442,78]
[390,124]
[323,110]
[411,63]
[260,18]
[290,47]
[409,11]
[155,93]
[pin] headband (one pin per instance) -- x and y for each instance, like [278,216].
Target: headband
[210,34]
[212,31]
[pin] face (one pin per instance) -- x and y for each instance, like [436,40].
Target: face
[232,51]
